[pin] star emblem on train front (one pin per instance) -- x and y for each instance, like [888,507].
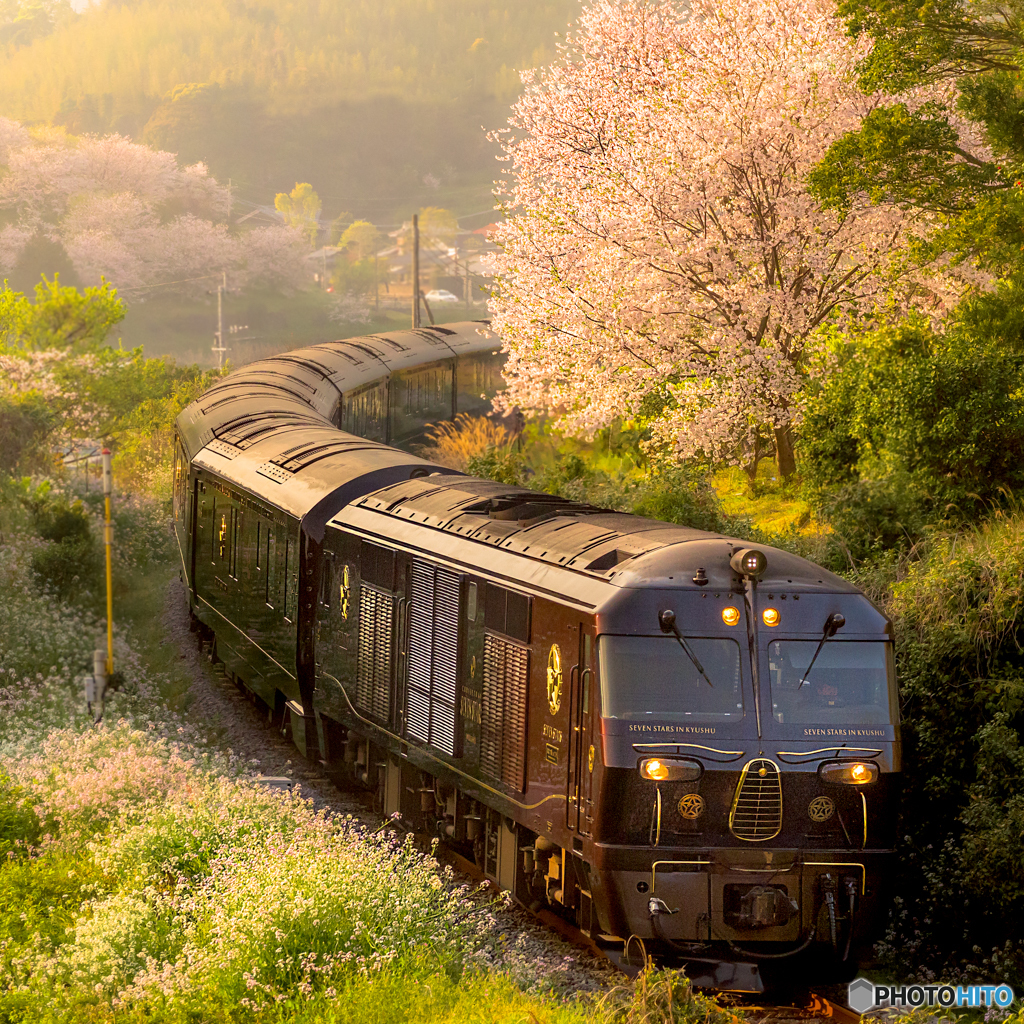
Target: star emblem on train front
[554,679]
[821,808]
[691,805]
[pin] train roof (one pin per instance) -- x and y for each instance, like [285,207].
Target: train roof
[309,382]
[310,472]
[622,549]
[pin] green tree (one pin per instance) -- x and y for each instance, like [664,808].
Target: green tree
[61,317]
[919,425]
[438,225]
[909,156]
[301,209]
[362,239]
[338,227]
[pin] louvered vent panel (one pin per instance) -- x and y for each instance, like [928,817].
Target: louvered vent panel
[433,655]
[503,725]
[756,813]
[492,706]
[373,680]
[421,614]
[446,661]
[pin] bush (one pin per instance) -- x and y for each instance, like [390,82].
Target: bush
[915,428]
[70,563]
[959,634]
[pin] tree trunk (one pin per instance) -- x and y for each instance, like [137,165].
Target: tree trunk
[784,455]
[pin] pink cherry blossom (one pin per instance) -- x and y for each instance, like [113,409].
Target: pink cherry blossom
[130,214]
[662,238]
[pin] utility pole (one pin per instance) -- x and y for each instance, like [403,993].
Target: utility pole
[219,347]
[467,283]
[415,270]
[376,284]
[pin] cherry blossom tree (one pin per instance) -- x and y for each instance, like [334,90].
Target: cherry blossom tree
[663,251]
[129,214]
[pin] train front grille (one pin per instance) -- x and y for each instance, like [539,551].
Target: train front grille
[756,813]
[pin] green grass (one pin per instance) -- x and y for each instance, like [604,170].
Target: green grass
[773,507]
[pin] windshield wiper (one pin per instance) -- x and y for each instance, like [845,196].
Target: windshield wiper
[667,621]
[833,624]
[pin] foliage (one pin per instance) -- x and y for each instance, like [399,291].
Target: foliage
[663,241]
[663,997]
[918,426]
[25,423]
[127,213]
[502,463]
[912,156]
[958,637]
[361,239]
[453,443]
[60,318]
[675,493]
[155,879]
[301,210]
[70,561]
[62,385]
[378,101]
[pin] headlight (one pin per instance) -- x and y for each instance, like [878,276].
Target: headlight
[664,770]
[770,616]
[849,773]
[730,615]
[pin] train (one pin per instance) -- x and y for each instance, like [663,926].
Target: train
[670,739]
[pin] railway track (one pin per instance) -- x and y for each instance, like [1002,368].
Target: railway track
[284,764]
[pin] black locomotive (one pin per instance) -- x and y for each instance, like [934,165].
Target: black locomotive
[652,731]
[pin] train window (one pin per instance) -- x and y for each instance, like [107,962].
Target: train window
[479,380]
[508,612]
[271,597]
[849,682]
[471,600]
[233,568]
[377,566]
[259,544]
[420,396]
[587,669]
[365,411]
[327,583]
[651,679]
[223,536]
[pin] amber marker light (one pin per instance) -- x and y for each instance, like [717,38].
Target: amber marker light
[655,769]
[770,616]
[850,773]
[673,770]
[730,615]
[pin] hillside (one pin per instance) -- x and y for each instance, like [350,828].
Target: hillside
[379,105]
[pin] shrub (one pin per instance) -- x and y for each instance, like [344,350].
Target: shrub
[915,428]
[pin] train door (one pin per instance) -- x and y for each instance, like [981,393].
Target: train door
[579,802]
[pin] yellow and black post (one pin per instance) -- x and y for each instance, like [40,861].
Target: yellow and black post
[108,538]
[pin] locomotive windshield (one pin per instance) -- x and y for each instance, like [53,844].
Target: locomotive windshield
[848,684]
[652,678]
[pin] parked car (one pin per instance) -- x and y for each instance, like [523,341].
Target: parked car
[440,295]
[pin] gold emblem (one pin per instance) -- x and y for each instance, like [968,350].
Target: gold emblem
[554,679]
[472,667]
[821,808]
[345,590]
[590,758]
[691,806]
